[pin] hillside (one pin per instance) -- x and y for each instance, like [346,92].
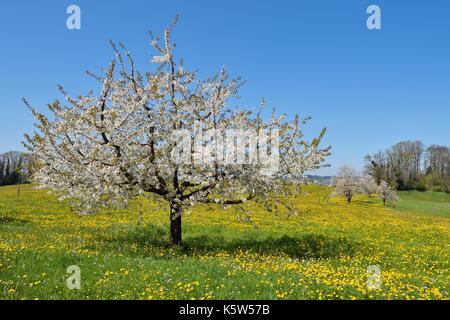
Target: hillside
[323,253]
[425,202]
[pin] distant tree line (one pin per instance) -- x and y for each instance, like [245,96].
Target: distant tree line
[14,168]
[410,165]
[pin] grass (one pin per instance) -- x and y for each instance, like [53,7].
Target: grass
[323,253]
[424,202]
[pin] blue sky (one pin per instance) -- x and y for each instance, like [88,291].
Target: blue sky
[312,57]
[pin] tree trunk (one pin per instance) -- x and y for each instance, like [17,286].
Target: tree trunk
[384,201]
[175,225]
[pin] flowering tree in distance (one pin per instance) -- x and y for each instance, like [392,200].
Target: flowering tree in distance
[368,185]
[347,183]
[103,150]
[386,193]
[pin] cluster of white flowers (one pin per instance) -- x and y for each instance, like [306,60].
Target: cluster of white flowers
[106,149]
[348,183]
[386,193]
[368,185]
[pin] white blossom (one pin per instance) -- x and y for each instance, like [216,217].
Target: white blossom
[368,185]
[104,150]
[386,193]
[347,183]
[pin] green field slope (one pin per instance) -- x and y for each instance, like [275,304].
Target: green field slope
[425,202]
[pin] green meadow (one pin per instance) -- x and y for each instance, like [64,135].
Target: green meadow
[425,202]
[330,250]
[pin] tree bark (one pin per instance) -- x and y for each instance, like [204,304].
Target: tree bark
[175,225]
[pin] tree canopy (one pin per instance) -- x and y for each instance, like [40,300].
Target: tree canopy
[167,132]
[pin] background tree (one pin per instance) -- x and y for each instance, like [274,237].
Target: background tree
[104,150]
[377,166]
[368,185]
[386,193]
[409,165]
[13,168]
[437,168]
[347,183]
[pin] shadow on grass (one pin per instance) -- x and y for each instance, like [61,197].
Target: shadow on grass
[301,246]
[11,220]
